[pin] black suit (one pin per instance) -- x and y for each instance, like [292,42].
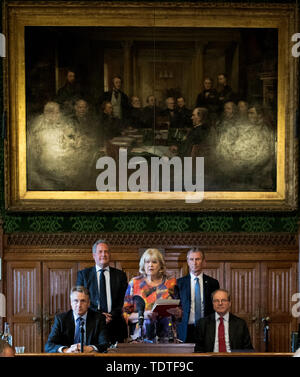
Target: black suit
[107,96]
[239,337]
[117,329]
[184,290]
[63,330]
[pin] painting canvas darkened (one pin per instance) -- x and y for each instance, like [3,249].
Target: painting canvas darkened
[187,92]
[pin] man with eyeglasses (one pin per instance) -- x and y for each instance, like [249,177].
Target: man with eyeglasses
[222,331]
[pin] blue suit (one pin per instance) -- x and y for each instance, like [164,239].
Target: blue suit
[184,291]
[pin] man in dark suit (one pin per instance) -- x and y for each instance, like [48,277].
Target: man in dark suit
[107,286]
[191,305]
[222,331]
[65,333]
[118,99]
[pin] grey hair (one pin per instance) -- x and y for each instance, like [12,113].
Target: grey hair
[94,248]
[195,250]
[80,289]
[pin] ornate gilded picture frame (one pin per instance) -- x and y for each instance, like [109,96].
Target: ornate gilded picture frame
[229,67]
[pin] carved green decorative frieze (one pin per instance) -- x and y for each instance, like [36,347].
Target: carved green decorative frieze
[215,223]
[46,223]
[171,223]
[257,223]
[290,224]
[11,224]
[130,223]
[88,223]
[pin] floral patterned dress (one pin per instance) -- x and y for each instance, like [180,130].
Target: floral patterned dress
[138,286]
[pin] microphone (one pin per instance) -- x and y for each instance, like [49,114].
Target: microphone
[140,307]
[81,334]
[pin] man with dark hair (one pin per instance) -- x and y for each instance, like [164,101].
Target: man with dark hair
[70,92]
[222,331]
[225,92]
[107,286]
[183,113]
[118,99]
[169,116]
[199,134]
[194,291]
[69,328]
[150,112]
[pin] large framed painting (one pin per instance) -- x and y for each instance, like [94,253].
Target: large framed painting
[150,106]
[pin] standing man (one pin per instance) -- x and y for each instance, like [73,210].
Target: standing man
[107,286]
[118,99]
[222,331]
[70,92]
[194,291]
[225,92]
[66,330]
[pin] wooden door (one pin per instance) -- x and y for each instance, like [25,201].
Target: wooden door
[24,304]
[58,279]
[216,271]
[278,286]
[243,282]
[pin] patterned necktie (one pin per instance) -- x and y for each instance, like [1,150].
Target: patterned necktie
[221,336]
[77,330]
[198,313]
[103,298]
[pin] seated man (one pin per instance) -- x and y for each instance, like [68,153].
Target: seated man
[65,333]
[222,331]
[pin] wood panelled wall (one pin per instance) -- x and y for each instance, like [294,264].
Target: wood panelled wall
[260,271]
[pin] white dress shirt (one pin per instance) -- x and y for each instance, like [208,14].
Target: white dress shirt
[107,282]
[226,329]
[84,326]
[192,309]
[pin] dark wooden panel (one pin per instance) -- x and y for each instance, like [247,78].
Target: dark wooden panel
[24,304]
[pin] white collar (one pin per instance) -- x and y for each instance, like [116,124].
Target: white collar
[225,317]
[99,268]
[82,316]
[193,277]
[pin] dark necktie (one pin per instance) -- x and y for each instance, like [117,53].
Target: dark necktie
[221,336]
[103,298]
[197,300]
[116,93]
[77,330]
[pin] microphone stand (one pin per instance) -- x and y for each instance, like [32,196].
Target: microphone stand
[266,332]
[81,336]
[141,324]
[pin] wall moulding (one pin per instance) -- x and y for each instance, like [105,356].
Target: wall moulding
[266,241]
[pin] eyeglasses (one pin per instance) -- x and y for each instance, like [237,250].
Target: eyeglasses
[220,301]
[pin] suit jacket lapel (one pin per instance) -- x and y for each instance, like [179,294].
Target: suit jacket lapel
[70,325]
[113,281]
[89,327]
[231,330]
[94,284]
[188,287]
[212,331]
[205,290]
